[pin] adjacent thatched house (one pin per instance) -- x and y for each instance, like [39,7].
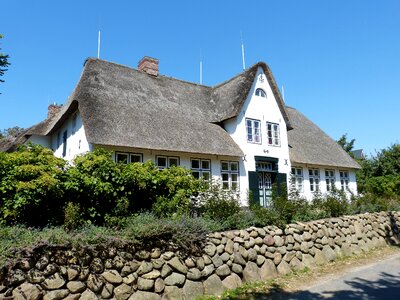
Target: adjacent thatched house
[239,131]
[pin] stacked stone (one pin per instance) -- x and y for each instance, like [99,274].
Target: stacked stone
[228,260]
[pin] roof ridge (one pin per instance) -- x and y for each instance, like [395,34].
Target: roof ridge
[237,75]
[136,70]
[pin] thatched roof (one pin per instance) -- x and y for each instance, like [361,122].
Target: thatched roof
[308,144]
[121,106]
[11,143]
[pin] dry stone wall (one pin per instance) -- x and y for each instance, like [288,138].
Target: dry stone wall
[229,259]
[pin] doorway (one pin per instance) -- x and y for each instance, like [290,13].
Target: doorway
[265,181]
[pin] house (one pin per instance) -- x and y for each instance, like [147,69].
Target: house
[358,154]
[239,132]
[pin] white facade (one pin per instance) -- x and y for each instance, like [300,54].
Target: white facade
[259,130]
[263,109]
[344,180]
[68,141]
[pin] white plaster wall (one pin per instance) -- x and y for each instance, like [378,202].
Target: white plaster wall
[44,141]
[76,141]
[322,185]
[185,161]
[265,110]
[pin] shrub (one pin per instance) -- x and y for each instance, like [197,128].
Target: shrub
[335,204]
[373,203]
[31,187]
[216,203]
[94,182]
[175,186]
[182,231]
[73,216]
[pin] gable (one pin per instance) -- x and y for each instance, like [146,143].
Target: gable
[231,95]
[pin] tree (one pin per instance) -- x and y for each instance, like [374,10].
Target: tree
[380,174]
[346,145]
[3,62]
[10,132]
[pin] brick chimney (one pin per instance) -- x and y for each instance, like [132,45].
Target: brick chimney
[52,110]
[149,65]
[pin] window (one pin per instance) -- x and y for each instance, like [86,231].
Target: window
[201,168]
[74,123]
[264,166]
[261,93]
[297,175]
[136,158]
[330,180]
[314,180]
[163,162]
[273,134]
[122,158]
[253,131]
[58,139]
[230,175]
[65,135]
[344,180]
[125,158]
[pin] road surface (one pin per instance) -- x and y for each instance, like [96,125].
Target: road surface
[380,280]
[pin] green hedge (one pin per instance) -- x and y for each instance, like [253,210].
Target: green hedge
[38,189]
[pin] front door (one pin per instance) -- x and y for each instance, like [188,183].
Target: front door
[265,188]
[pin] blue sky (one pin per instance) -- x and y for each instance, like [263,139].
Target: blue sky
[339,61]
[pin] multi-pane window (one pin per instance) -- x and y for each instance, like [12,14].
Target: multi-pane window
[253,131]
[273,134]
[163,162]
[330,180]
[261,93]
[297,175]
[230,175]
[125,158]
[344,180]
[314,180]
[201,168]
[65,136]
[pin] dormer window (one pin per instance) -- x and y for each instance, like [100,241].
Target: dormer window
[261,93]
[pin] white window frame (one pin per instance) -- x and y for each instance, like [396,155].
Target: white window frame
[253,131]
[344,180]
[201,171]
[330,179]
[314,179]
[230,175]
[260,93]
[168,160]
[273,134]
[298,178]
[129,156]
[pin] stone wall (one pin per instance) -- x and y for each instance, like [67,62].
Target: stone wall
[228,260]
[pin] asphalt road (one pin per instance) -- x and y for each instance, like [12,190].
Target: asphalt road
[380,280]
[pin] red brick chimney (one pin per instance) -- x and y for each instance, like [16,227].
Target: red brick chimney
[149,65]
[52,110]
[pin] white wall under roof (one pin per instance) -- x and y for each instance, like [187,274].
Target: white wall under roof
[308,194]
[76,138]
[265,110]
